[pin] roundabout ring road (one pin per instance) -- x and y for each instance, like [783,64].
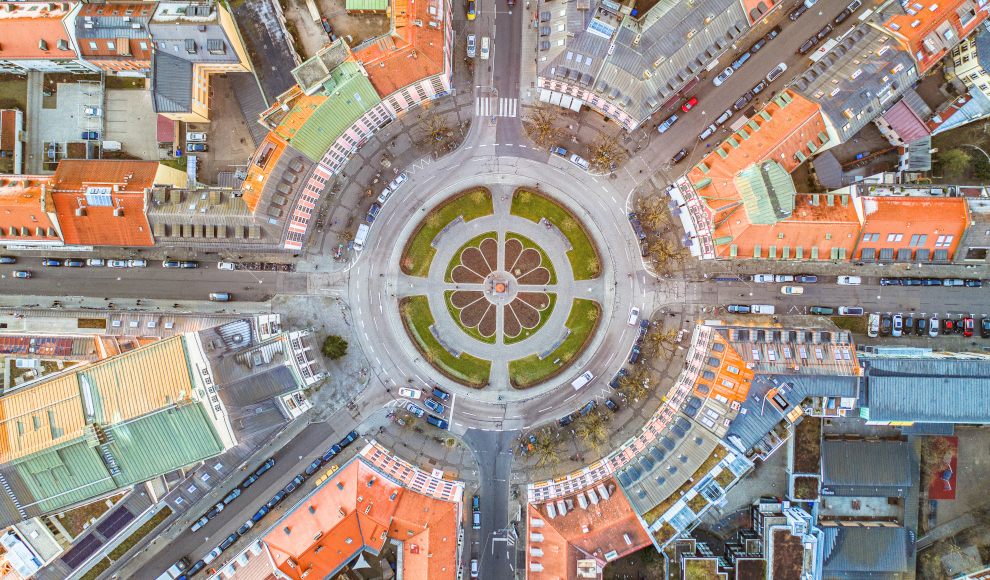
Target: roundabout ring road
[375,279]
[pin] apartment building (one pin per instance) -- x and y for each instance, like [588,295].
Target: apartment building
[116,38]
[40,36]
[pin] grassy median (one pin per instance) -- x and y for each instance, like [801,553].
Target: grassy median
[583,257]
[418,254]
[583,320]
[139,534]
[467,370]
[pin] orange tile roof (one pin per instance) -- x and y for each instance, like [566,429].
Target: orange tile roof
[908,216]
[99,226]
[25,201]
[417,53]
[582,534]
[740,378]
[28,22]
[262,164]
[346,514]
[902,26]
[302,109]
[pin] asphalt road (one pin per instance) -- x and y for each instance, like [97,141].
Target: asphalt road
[152,282]
[311,443]
[492,545]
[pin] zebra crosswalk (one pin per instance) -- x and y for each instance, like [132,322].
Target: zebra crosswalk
[488,107]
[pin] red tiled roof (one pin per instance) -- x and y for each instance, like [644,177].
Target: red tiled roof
[417,53]
[25,201]
[166,129]
[925,23]
[8,129]
[22,29]
[125,223]
[261,167]
[582,534]
[910,216]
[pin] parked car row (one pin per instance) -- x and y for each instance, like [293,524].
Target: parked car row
[435,405]
[951,282]
[897,325]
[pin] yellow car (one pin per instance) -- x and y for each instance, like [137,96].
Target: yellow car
[792,290]
[470,10]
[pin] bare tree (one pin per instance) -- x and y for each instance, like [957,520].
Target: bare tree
[652,213]
[593,430]
[607,154]
[436,128]
[541,126]
[660,342]
[548,450]
[635,384]
[664,254]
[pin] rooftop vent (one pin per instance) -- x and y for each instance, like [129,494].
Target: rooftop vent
[42,45]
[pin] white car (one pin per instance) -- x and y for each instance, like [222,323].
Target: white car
[791,290]
[411,393]
[633,316]
[722,76]
[580,162]
[95,262]
[485,47]
[195,136]
[898,325]
[94,111]
[850,281]
[470,46]
[933,327]
[137,263]
[780,278]
[225,265]
[397,182]
[776,72]
[212,555]
[763,278]
[117,264]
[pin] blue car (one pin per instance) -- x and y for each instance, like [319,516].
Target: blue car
[415,410]
[618,376]
[351,437]
[436,422]
[434,406]
[441,394]
[260,514]
[331,452]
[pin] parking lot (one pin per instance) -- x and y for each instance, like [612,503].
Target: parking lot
[67,122]
[128,117]
[228,140]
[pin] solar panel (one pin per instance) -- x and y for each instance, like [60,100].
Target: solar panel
[115,522]
[81,551]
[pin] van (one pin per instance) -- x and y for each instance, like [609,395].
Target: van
[874,326]
[708,132]
[175,570]
[849,281]
[850,311]
[724,117]
[485,46]
[195,136]
[762,309]
[219,296]
[362,236]
[821,310]
[582,380]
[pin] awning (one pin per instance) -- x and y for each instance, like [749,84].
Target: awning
[903,254]
[886,254]
[869,254]
[555,98]
[545,95]
[922,255]
[940,256]
[576,104]
[565,101]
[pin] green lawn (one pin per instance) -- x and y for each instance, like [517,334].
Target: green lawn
[455,314]
[418,253]
[528,243]
[140,533]
[582,320]
[584,260]
[417,318]
[475,241]
[97,569]
[544,316]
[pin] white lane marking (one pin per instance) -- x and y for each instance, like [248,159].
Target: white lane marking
[359,310]
[601,203]
[389,219]
[495,417]
[472,414]
[482,145]
[366,336]
[379,306]
[362,324]
[571,397]
[358,284]
[371,349]
[610,359]
[613,200]
[458,424]
[523,146]
[547,409]
[386,350]
[595,180]
[378,361]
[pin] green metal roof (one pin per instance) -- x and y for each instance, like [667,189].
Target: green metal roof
[767,192]
[162,442]
[350,95]
[65,475]
[355,5]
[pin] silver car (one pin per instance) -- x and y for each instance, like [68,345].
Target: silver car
[470,46]
[722,76]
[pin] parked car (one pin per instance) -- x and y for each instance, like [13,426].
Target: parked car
[886,323]
[485,46]
[679,156]
[931,282]
[968,326]
[96,262]
[688,105]
[762,278]
[212,555]
[611,405]
[231,496]
[250,480]
[799,12]
[921,327]
[276,499]
[806,279]
[723,76]
[260,514]
[294,484]
[313,466]
[952,282]
[410,393]
[197,147]
[591,406]
[22,273]
[265,467]
[333,451]
[759,87]
[436,422]
[226,266]
[985,327]
[195,568]
[773,32]
[742,101]
[821,310]
[633,316]
[634,355]
[228,542]
[908,326]
[873,326]
[618,376]
[738,308]
[708,132]
[75,263]
[737,64]
[580,162]
[947,326]
[90,135]
[189,264]
[850,311]
[435,406]
[849,280]
[412,409]
[933,327]
[51,262]
[566,420]
[973,283]
[723,117]
[558,151]
[198,524]
[470,46]
[94,111]
[373,212]
[667,124]
[898,325]
[758,45]
[842,16]
[170,264]
[783,278]
[195,136]
[776,72]
[245,527]
[137,263]
[824,32]
[8,260]
[808,45]
[440,394]
[215,511]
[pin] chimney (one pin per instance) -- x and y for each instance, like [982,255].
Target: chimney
[42,45]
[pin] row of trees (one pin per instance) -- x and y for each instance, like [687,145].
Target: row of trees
[606,154]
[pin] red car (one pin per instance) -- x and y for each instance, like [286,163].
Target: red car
[968,327]
[687,106]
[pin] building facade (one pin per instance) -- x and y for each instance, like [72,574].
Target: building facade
[40,36]
[116,37]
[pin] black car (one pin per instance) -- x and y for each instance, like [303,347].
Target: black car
[436,422]
[679,156]
[985,327]
[440,394]
[73,263]
[644,327]
[759,87]
[759,44]
[773,33]
[824,32]
[921,327]
[373,212]
[889,282]
[276,499]
[294,484]
[229,541]
[265,467]
[808,45]
[591,406]
[214,511]
[973,284]
[314,466]
[799,12]
[908,325]
[247,482]
[247,526]
[333,451]
[958,326]
[195,568]
[349,439]
[886,323]
[611,405]
[742,101]
[634,355]
[806,279]
[842,16]
[910,282]
[618,376]
[931,282]
[566,420]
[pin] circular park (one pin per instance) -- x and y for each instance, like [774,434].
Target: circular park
[500,288]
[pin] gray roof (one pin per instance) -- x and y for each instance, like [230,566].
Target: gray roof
[172,83]
[983,45]
[928,390]
[113,27]
[653,43]
[866,553]
[976,108]
[919,154]
[194,42]
[258,388]
[829,170]
[868,94]
[865,468]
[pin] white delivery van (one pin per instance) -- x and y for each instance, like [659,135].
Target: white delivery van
[583,380]
[762,309]
[111,145]
[362,235]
